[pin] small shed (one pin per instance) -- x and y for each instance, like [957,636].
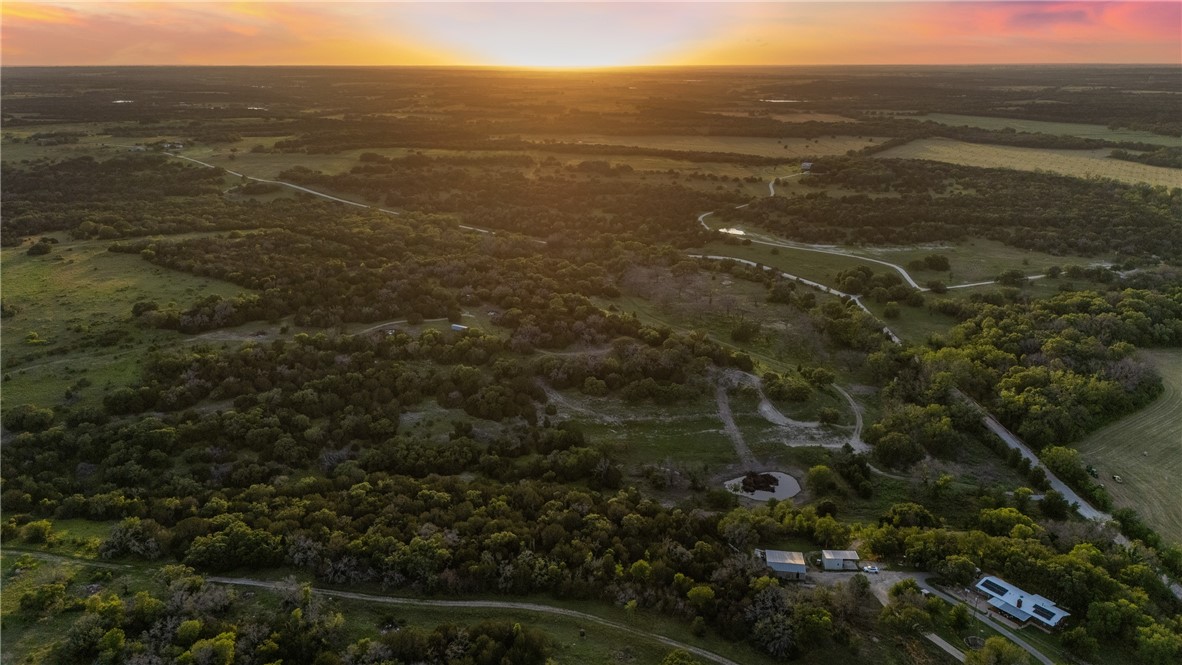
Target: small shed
[806,166]
[458,328]
[788,565]
[839,559]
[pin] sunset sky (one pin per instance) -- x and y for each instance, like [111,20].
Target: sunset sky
[561,34]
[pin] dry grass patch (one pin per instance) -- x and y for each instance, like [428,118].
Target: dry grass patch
[1078,163]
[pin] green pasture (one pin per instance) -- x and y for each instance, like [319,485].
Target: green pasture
[73,322]
[1145,450]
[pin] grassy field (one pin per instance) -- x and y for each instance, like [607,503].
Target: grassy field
[689,435]
[77,302]
[1151,481]
[1079,163]
[765,147]
[1056,128]
[801,116]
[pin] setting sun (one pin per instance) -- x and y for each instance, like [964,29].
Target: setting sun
[565,35]
[588,34]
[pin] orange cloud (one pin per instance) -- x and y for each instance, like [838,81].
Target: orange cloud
[264,33]
[203,34]
[27,11]
[948,33]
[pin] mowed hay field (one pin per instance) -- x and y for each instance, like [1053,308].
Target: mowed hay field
[745,145]
[1152,483]
[1079,163]
[1057,128]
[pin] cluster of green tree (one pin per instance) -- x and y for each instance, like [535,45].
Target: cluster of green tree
[192,621]
[354,525]
[1113,594]
[643,103]
[54,138]
[135,195]
[551,204]
[935,201]
[786,388]
[124,195]
[1052,369]
[377,163]
[933,262]
[371,268]
[881,287]
[1094,95]
[667,369]
[1169,157]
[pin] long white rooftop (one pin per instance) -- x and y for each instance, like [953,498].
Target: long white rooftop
[1020,604]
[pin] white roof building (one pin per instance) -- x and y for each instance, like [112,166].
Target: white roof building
[784,564]
[839,559]
[1020,605]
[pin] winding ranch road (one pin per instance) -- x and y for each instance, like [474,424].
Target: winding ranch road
[771,186]
[857,300]
[408,602]
[1085,509]
[485,604]
[323,195]
[746,458]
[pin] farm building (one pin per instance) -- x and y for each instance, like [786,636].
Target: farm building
[458,328]
[789,565]
[806,166]
[839,559]
[1014,603]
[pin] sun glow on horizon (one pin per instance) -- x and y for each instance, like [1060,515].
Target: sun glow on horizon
[565,36]
[583,35]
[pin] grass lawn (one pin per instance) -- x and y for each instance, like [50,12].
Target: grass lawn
[686,435]
[77,301]
[1150,484]
[1078,163]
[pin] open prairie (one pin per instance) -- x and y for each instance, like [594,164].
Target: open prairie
[73,324]
[1145,450]
[1078,163]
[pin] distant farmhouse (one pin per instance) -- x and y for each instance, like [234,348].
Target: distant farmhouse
[1014,603]
[788,565]
[839,559]
[806,166]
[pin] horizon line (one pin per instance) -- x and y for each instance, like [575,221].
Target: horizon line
[604,68]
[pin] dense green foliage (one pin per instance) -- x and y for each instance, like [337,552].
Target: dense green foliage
[929,201]
[411,459]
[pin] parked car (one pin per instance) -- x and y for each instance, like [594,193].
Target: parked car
[870,569]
